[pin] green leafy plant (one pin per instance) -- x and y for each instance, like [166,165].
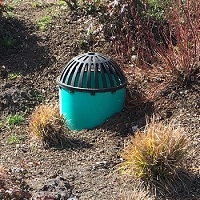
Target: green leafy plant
[14,2]
[157,153]
[1,124]
[14,76]
[47,126]
[14,139]
[9,10]
[36,4]
[83,44]
[15,119]
[43,22]
[62,3]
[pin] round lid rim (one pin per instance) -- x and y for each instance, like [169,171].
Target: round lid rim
[108,89]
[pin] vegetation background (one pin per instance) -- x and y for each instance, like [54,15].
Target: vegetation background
[157,46]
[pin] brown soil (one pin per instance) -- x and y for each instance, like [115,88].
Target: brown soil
[86,170]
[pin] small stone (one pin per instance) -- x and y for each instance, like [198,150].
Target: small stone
[134,128]
[72,198]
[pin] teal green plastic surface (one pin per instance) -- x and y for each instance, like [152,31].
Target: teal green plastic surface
[85,111]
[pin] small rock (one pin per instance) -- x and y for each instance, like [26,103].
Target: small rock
[134,128]
[72,198]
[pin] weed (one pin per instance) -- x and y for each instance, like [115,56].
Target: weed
[84,44]
[48,126]
[15,2]
[43,22]
[15,119]
[36,4]
[14,139]
[53,12]
[1,124]
[156,154]
[62,3]
[9,11]
[39,96]
[14,76]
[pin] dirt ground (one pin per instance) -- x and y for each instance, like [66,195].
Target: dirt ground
[87,170]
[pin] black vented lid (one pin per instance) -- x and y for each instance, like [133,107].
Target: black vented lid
[92,72]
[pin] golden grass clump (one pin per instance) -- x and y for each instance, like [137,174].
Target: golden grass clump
[48,126]
[157,153]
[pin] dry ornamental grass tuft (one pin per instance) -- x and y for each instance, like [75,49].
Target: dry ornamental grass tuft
[157,153]
[138,192]
[48,126]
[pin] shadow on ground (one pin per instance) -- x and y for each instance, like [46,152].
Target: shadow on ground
[134,115]
[72,144]
[21,50]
